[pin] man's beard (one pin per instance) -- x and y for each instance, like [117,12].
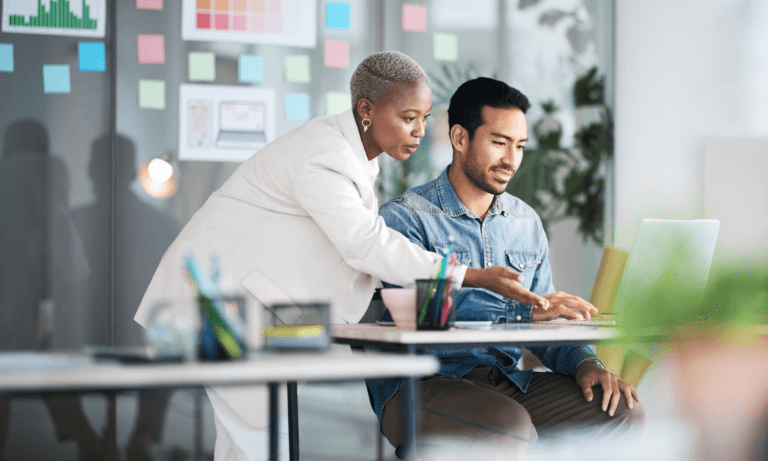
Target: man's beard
[474,172]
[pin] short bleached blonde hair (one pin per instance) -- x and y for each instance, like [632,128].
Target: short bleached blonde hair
[380,72]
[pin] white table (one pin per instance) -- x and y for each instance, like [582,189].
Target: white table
[509,335]
[30,373]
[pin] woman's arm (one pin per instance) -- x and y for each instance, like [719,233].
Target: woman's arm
[506,282]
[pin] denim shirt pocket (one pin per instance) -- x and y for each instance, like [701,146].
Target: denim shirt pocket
[521,261]
[524,262]
[462,254]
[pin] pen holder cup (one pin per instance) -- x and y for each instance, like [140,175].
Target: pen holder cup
[435,304]
[297,327]
[223,328]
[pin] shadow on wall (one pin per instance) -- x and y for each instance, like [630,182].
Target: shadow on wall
[142,235]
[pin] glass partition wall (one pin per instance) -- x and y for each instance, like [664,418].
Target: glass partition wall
[93,112]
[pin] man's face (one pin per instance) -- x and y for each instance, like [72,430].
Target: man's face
[496,150]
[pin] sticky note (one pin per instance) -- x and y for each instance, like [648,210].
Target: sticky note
[297,106]
[91,56]
[414,18]
[202,66]
[337,54]
[151,49]
[56,79]
[337,102]
[446,47]
[337,15]
[149,4]
[297,69]
[6,57]
[251,68]
[152,94]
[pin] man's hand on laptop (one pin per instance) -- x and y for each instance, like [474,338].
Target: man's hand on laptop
[564,305]
[506,282]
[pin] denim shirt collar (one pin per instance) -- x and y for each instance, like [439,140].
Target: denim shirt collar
[453,206]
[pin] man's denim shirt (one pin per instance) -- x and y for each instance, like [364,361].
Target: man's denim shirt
[511,235]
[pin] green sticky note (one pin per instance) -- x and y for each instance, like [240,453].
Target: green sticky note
[202,66]
[297,69]
[446,47]
[337,102]
[152,94]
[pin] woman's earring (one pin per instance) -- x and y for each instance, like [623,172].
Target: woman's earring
[366,125]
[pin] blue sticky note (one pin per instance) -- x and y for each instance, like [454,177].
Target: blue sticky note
[91,56]
[297,106]
[56,79]
[251,68]
[6,57]
[337,15]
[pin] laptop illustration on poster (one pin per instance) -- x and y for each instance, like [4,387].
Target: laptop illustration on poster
[241,125]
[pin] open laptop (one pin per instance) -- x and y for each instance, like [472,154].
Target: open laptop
[241,125]
[677,252]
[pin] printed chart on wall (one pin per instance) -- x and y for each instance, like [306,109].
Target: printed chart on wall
[224,123]
[80,18]
[270,22]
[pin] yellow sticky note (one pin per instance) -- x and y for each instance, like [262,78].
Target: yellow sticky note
[202,66]
[337,102]
[152,94]
[446,47]
[297,69]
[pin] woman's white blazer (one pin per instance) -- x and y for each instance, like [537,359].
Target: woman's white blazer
[297,222]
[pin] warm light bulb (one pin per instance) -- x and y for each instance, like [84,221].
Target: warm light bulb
[160,170]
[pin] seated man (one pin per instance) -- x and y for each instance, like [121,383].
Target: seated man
[489,227]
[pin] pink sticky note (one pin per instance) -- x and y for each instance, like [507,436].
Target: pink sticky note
[414,18]
[337,54]
[149,4]
[151,49]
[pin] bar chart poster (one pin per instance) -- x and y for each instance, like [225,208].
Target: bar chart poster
[77,18]
[268,22]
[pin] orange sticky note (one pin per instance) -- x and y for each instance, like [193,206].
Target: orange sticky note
[337,54]
[151,49]
[414,18]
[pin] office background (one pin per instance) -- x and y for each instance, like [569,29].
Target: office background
[81,237]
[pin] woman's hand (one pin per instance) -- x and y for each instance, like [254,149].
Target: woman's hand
[506,282]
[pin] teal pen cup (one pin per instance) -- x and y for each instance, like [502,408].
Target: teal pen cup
[435,304]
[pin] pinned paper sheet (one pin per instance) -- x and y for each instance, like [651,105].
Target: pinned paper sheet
[414,18]
[152,94]
[297,69]
[151,49]
[151,4]
[91,56]
[297,106]
[6,57]
[337,102]
[446,47]
[56,79]
[337,54]
[250,68]
[337,15]
[202,66]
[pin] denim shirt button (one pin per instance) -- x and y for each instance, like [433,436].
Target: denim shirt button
[488,264]
[519,318]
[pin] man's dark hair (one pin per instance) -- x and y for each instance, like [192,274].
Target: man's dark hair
[466,107]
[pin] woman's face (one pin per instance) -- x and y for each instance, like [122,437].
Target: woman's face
[399,118]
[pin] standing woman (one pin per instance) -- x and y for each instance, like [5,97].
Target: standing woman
[298,221]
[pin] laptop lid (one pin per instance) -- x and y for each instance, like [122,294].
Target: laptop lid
[668,266]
